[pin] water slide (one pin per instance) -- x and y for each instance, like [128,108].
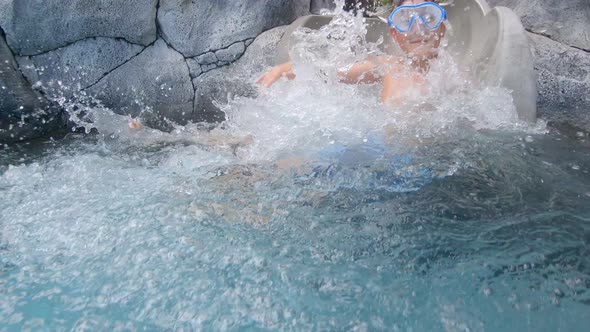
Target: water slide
[489,41]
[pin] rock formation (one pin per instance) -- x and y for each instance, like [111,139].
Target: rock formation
[170,58]
[560,41]
[136,56]
[24,113]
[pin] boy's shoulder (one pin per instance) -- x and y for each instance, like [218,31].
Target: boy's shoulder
[391,63]
[387,59]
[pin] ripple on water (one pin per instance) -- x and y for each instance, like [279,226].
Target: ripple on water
[145,238]
[314,208]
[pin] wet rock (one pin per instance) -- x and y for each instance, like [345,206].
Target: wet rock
[207,58]
[155,84]
[33,27]
[24,113]
[567,22]
[237,79]
[67,70]
[199,26]
[318,5]
[231,53]
[194,67]
[209,67]
[261,54]
[214,88]
[563,81]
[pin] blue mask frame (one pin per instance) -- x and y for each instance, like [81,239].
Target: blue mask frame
[413,20]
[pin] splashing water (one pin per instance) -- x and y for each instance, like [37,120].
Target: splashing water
[315,111]
[462,219]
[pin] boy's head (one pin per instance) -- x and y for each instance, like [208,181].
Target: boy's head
[419,39]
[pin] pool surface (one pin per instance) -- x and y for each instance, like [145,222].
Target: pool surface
[98,233]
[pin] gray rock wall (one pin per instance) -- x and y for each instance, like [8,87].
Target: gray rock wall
[200,26]
[158,82]
[135,56]
[567,22]
[563,81]
[238,79]
[24,113]
[560,41]
[34,26]
[67,70]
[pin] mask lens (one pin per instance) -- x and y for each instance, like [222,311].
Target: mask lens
[431,16]
[402,19]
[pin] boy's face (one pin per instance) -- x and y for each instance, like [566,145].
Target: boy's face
[419,41]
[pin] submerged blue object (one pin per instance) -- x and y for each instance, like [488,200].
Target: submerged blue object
[403,17]
[368,165]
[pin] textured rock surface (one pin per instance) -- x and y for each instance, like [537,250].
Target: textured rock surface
[563,21]
[237,79]
[35,26]
[194,27]
[24,114]
[563,81]
[318,5]
[77,66]
[560,40]
[157,79]
[212,60]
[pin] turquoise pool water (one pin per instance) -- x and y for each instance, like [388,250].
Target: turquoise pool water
[100,233]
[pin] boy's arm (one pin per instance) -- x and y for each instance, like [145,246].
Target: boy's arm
[362,72]
[270,77]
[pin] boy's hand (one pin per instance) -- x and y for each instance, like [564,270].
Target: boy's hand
[273,75]
[135,124]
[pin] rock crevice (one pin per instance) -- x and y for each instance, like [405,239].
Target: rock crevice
[119,66]
[33,27]
[221,57]
[549,37]
[565,22]
[77,41]
[78,66]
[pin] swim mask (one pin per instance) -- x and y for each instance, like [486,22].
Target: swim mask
[403,17]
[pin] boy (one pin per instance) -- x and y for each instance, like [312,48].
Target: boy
[417,26]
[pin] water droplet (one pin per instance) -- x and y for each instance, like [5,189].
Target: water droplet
[529,139]
[575,167]
[558,292]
